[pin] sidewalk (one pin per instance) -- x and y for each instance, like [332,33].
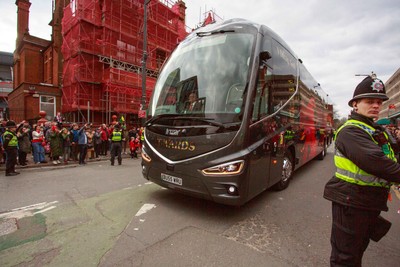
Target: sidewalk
[32,164]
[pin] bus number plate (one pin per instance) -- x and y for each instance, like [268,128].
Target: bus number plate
[171,179]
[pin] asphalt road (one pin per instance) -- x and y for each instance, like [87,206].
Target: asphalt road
[101,215]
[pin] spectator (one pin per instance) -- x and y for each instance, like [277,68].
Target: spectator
[24,144]
[97,142]
[66,140]
[37,144]
[104,139]
[133,145]
[90,143]
[82,142]
[125,136]
[74,141]
[56,142]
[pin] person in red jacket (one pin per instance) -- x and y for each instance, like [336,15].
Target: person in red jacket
[104,139]
[133,146]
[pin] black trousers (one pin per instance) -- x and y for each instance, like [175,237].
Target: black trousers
[22,157]
[351,232]
[116,149]
[82,153]
[11,159]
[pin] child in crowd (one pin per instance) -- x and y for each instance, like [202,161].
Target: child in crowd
[133,145]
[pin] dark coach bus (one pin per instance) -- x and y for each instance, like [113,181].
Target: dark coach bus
[233,112]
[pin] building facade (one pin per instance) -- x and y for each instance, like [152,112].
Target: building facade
[391,107]
[37,68]
[91,69]
[6,66]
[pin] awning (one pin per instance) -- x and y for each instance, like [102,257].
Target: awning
[384,121]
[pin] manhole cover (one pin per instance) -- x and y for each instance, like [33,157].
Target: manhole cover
[8,226]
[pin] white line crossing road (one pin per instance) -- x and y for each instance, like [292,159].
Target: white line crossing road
[30,210]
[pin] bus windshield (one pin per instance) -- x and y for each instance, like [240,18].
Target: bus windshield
[206,76]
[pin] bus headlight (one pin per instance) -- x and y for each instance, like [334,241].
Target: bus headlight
[145,156]
[229,168]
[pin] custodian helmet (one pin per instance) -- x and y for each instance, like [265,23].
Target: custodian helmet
[10,124]
[369,88]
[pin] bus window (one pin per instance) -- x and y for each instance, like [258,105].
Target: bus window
[260,103]
[284,82]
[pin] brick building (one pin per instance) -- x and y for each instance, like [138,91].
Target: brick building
[37,68]
[91,68]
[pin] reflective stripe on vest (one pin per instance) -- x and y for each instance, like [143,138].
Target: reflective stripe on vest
[14,140]
[348,171]
[117,136]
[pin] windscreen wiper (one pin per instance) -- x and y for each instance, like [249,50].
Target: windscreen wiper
[155,118]
[202,34]
[210,121]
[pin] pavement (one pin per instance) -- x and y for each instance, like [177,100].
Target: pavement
[31,164]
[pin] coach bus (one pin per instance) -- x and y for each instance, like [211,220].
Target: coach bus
[233,113]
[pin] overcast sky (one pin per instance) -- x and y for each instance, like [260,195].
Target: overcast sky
[336,39]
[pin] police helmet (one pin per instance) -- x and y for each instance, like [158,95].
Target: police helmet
[10,124]
[370,87]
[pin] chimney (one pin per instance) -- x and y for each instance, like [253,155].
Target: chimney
[182,10]
[22,19]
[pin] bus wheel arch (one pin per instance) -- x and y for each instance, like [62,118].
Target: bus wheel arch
[287,170]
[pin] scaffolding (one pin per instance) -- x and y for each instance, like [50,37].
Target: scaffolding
[103,49]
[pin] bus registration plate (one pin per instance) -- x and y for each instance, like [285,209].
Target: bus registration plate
[171,179]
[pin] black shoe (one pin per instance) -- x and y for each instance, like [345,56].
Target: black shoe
[12,173]
[112,164]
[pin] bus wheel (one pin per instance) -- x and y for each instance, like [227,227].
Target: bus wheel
[322,155]
[287,172]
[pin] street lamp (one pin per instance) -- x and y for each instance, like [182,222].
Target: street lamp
[144,60]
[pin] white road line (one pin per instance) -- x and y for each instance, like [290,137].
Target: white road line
[145,208]
[47,209]
[30,210]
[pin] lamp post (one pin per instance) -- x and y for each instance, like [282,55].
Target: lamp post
[144,60]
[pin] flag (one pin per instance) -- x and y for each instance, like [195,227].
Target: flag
[392,106]
[208,20]
[122,119]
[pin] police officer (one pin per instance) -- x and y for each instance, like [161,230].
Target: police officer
[116,144]
[365,169]
[10,144]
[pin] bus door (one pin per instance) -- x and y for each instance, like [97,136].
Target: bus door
[261,136]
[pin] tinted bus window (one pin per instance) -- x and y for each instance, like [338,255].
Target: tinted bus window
[284,81]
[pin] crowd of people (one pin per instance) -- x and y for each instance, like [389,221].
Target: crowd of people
[60,144]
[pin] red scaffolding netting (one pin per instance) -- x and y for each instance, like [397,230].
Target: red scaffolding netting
[103,49]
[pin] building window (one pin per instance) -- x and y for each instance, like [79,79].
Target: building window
[48,104]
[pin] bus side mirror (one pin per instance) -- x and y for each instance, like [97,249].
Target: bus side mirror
[264,56]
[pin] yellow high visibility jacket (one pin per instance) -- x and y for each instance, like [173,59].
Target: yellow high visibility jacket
[347,171]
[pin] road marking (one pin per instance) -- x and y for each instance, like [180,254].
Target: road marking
[145,208]
[41,211]
[30,210]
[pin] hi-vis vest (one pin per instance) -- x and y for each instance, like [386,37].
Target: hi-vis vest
[14,140]
[116,136]
[351,173]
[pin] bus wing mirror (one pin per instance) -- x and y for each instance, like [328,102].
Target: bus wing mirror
[264,56]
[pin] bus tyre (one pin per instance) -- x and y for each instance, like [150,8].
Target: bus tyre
[322,155]
[287,172]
